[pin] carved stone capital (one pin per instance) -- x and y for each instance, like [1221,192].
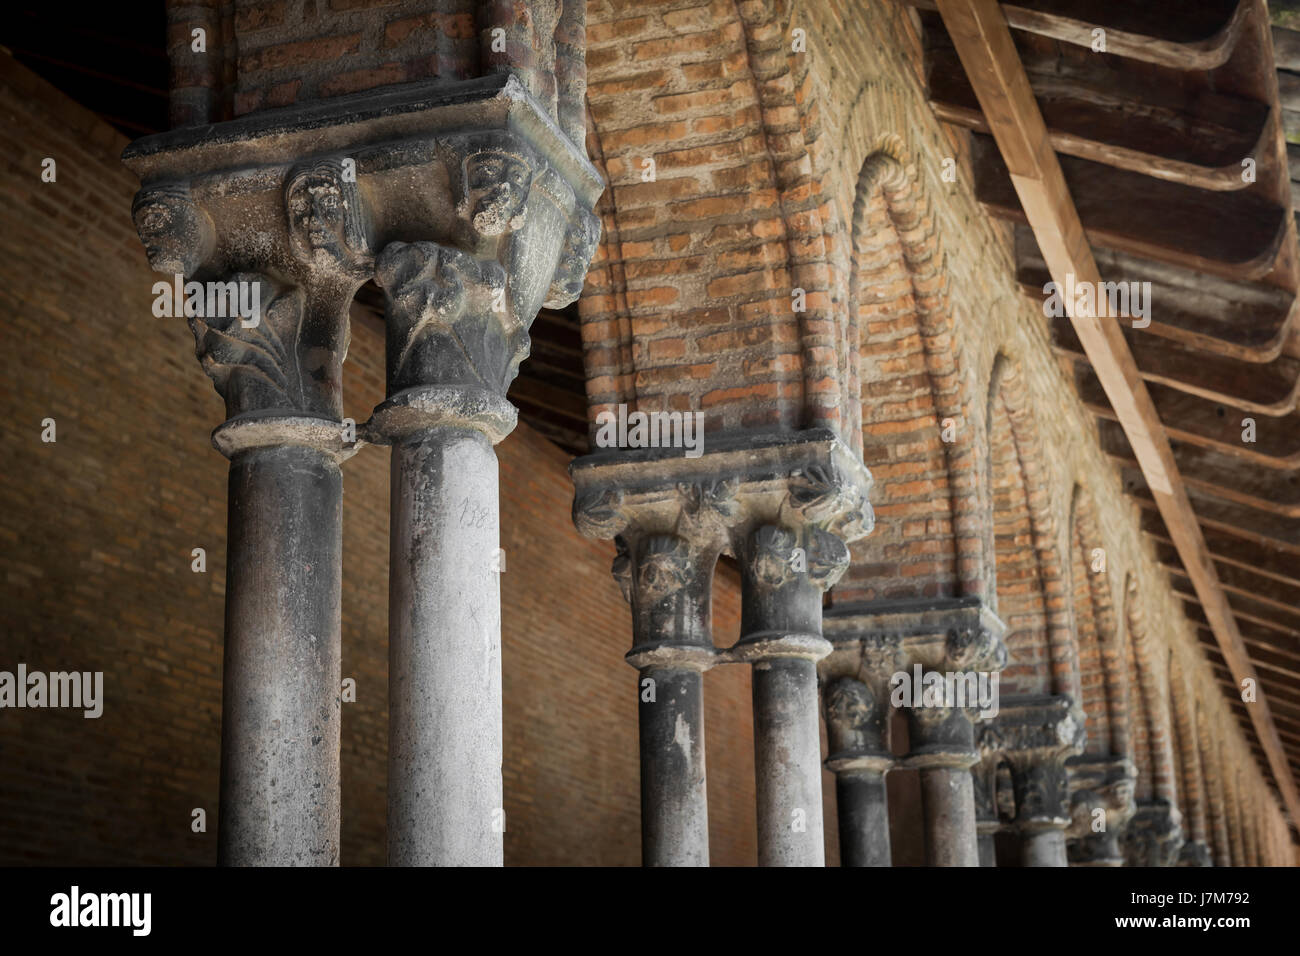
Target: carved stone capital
[667,580]
[782,505]
[988,744]
[1154,835]
[940,634]
[1104,784]
[473,200]
[1038,734]
[857,724]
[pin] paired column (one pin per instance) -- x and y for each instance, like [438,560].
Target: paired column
[784,510]
[937,658]
[277,249]
[1039,734]
[1101,802]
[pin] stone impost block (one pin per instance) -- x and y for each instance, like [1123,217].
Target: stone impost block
[1037,734]
[1154,836]
[940,634]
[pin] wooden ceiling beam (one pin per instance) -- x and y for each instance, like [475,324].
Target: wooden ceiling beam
[1140,31]
[983,40]
[1268,389]
[1205,423]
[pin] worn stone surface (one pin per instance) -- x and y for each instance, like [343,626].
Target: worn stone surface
[1105,784]
[1038,735]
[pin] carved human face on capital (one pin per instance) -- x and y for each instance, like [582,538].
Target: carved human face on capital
[496,186]
[176,233]
[318,201]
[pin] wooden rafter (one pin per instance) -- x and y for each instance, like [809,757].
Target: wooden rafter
[984,44]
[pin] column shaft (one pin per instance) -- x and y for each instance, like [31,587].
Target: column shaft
[863,815]
[444,672]
[280,707]
[948,796]
[674,802]
[988,851]
[787,763]
[1045,847]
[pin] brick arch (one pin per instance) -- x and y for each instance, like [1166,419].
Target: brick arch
[929,533]
[1191,775]
[1028,586]
[1152,749]
[1216,812]
[793,131]
[604,322]
[690,304]
[1102,689]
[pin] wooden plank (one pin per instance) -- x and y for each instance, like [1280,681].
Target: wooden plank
[1243,320]
[983,41]
[1218,474]
[1226,549]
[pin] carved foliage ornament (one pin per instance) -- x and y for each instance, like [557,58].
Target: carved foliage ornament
[442,324]
[598,513]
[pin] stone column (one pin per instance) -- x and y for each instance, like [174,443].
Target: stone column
[943,749]
[457,320]
[1039,734]
[784,509]
[857,730]
[271,284]
[781,607]
[1154,836]
[293,206]
[668,582]
[1101,804]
